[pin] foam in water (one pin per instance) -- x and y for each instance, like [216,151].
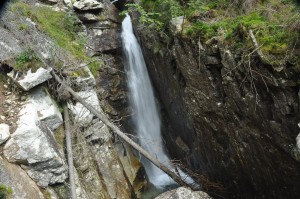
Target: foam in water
[146,115]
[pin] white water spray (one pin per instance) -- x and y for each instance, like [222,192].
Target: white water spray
[146,115]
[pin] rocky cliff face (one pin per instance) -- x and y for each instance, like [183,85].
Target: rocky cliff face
[234,120]
[33,147]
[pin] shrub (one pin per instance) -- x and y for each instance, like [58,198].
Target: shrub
[27,59]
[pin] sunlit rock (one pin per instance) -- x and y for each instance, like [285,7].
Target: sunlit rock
[88,5]
[30,79]
[183,193]
[4,133]
[35,149]
[47,109]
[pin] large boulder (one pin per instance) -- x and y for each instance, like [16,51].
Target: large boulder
[4,133]
[34,146]
[88,5]
[30,79]
[183,193]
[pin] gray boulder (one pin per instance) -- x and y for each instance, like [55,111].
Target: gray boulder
[30,79]
[88,5]
[183,193]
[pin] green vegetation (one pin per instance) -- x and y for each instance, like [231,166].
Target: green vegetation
[94,67]
[148,18]
[27,59]
[275,23]
[5,192]
[62,27]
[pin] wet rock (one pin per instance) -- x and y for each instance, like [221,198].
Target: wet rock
[88,5]
[112,171]
[47,109]
[4,133]
[133,168]
[183,193]
[30,79]
[15,178]
[35,149]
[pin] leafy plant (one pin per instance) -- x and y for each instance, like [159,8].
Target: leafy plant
[27,59]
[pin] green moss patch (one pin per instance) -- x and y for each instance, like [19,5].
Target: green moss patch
[5,192]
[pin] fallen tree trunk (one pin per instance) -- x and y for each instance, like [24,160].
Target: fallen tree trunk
[69,152]
[116,130]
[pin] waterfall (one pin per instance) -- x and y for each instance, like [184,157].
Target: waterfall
[146,115]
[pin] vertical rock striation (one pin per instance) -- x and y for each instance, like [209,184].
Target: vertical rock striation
[232,120]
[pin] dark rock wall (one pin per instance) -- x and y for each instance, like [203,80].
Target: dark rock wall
[233,121]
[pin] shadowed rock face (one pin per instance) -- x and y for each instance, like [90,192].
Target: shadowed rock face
[236,128]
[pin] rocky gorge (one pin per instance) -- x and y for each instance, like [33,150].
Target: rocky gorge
[230,120]
[33,161]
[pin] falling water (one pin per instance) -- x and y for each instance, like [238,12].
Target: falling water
[146,116]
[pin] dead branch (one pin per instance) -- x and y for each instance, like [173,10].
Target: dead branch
[116,130]
[257,47]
